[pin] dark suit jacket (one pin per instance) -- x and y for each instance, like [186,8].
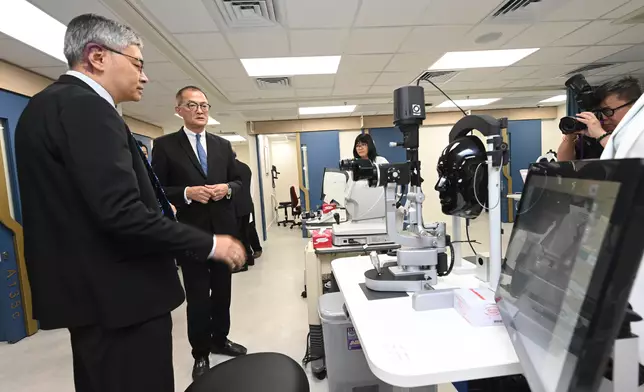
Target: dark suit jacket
[244,202]
[97,247]
[177,167]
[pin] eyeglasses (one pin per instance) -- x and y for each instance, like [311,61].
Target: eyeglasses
[362,145]
[194,105]
[139,60]
[609,112]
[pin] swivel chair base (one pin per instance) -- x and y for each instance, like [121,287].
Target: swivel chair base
[263,372]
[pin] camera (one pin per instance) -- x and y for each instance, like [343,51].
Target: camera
[586,98]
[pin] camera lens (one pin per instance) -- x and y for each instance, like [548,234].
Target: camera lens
[568,125]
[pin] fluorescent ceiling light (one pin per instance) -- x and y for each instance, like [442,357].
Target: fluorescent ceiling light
[292,66]
[328,109]
[232,137]
[467,103]
[25,22]
[481,59]
[211,121]
[556,98]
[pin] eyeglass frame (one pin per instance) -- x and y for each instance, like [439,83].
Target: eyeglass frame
[605,111]
[201,105]
[139,66]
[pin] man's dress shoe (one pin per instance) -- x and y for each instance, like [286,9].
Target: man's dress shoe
[230,349]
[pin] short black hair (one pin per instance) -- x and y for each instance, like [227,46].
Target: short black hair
[368,140]
[142,145]
[179,95]
[627,89]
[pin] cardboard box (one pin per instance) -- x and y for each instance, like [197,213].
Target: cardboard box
[477,306]
[322,239]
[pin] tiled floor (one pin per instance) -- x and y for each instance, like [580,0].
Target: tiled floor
[268,314]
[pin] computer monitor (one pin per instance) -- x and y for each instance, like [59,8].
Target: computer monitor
[575,249]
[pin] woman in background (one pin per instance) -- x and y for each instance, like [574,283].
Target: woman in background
[364,148]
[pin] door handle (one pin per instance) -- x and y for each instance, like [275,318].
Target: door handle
[4,256]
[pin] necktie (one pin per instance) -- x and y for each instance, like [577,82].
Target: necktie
[201,154]
[162,199]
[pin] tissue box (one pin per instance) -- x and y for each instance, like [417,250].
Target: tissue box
[322,239]
[477,306]
[328,207]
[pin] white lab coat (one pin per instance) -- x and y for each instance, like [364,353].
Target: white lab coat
[627,141]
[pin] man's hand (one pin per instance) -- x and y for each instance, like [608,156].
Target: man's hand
[595,129]
[230,251]
[201,194]
[218,191]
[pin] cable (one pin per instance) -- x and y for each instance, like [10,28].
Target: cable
[477,197]
[453,259]
[467,233]
[308,358]
[443,92]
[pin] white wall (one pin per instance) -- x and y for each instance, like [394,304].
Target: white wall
[284,157]
[347,140]
[267,189]
[550,133]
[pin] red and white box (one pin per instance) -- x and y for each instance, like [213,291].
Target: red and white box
[478,307]
[328,207]
[322,239]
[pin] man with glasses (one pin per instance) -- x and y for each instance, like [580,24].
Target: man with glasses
[616,99]
[197,171]
[100,235]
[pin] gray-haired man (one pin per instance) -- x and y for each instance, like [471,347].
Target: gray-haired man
[98,247]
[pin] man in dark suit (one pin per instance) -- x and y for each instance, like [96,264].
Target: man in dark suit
[98,247]
[197,171]
[244,208]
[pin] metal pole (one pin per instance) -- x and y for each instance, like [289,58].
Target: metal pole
[494,195]
[456,238]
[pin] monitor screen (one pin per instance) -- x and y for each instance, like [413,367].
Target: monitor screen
[561,263]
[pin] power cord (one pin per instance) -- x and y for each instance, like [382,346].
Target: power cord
[467,233]
[308,358]
[442,92]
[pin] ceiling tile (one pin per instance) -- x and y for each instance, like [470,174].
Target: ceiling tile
[376,40]
[595,53]
[276,93]
[313,92]
[480,85]
[507,31]
[364,63]
[175,85]
[522,83]
[190,17]
[311,14]
[382,90]
[25,56]
[371,101]
[224,68]
[591,33]
[356,79]
[625,9]
[552,71]
[164,71]
[550,56]
[236,84]
[634,35]
[71,9]
[554,82]
[445,12]
[575,10]
[350,90]
[374,13]
[543,34]
[50,72]
[395,78]
[152,55]
[375,108]
[475,75]
[205,46]
[634,53]
[318,42]
[259,43]
[623,69]
[424,39]
[412,62]
[313,81]
[515,72]
[243,95]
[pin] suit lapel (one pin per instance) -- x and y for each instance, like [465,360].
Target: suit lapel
[187,148]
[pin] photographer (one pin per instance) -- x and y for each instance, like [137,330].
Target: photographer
[616,99]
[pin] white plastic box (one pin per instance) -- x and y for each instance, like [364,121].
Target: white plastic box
[477,306]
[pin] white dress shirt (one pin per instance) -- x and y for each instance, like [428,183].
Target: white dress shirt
[100,90]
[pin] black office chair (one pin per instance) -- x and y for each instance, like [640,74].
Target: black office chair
[264,372]
[296,208]
[285,205]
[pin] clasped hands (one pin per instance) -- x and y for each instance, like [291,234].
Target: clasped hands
[593,124]
[203,194]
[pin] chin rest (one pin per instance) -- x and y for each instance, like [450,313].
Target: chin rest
[263,372]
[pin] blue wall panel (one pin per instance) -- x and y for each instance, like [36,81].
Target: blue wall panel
[12,321]
[382,137]
[323,150]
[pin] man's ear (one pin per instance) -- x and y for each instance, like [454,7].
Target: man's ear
[97,57]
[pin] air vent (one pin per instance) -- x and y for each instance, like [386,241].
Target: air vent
[248,13]
[524,10]
[590,67]
[280,83]
[437,76]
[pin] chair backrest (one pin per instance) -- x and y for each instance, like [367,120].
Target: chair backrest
[295,201]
